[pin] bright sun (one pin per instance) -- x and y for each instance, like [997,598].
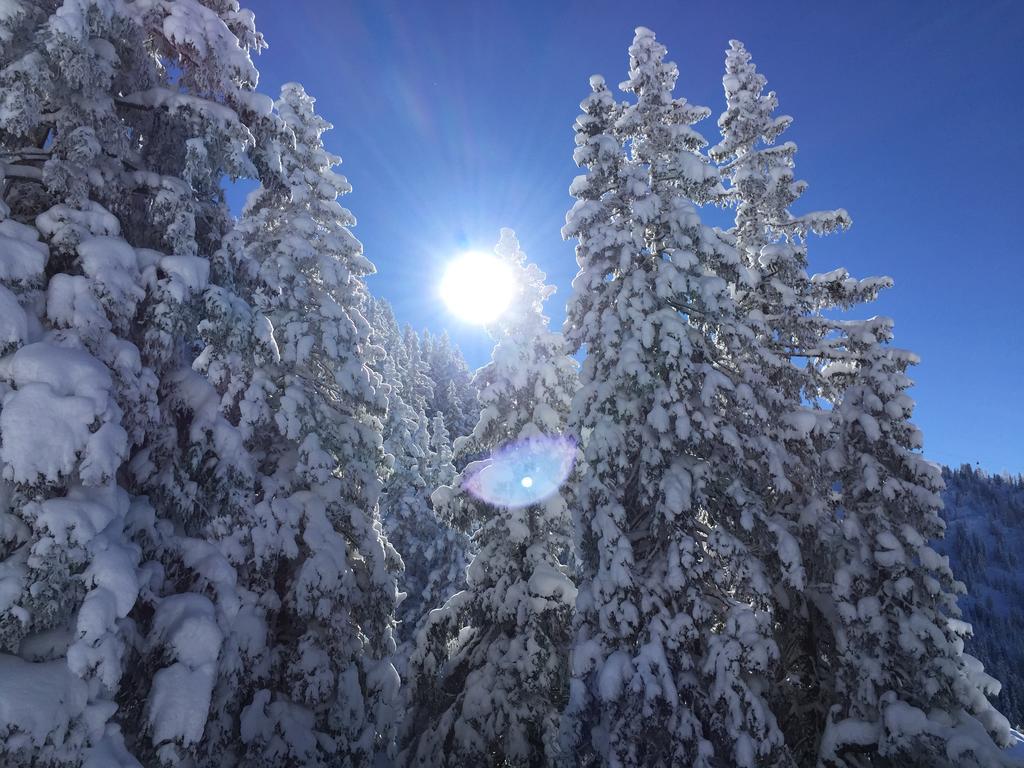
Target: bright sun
[477,287]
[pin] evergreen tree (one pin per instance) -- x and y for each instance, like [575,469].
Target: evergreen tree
[489,675]
[114,142]
[783,307]
[306,674]
[440,469]
[417,386]
[906,693]
[198,121]
[434,555]
[830,692]
[673,647]
[455,396]
[391,361]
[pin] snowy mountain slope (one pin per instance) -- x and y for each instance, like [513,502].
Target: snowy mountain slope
[985,542]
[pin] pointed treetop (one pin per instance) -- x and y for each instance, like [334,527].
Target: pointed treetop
[531,290]
[657,130]
[748,115]
[763,173]
[296,106]
[652,79]
[598,114]
[647,66]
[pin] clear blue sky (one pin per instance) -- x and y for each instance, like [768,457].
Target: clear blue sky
[454,119]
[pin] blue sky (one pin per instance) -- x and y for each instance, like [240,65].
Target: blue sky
[454,118]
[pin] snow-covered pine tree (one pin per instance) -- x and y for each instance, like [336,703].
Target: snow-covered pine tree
[782,303]
[312,640]
[417,386]
[440,469]
[235,419]
[673,645]
[386,335]
[455,396]
[843,625]
[906,693]
[433,553]
[197,119]
[69,574]
[114,140]
[489,672]
[783,306]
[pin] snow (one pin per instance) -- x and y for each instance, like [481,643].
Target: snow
[179,703]
[549,582]
[110,752]
[67,226]
[174,101]
[287,729]
[23,255]
[187,625]
[258,103]
[193,26]
[38,702]
[191,273]
[13,321]
[71,303]
[1016,749]
[59,416]
[264,331]
[74,520]
[112,263]
[64,371]
[113,570]
[802,421]
[616,668]
[13,571]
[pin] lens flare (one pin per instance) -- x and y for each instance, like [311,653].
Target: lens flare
[522,473]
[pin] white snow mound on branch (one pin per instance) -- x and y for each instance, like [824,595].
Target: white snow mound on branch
[59,417]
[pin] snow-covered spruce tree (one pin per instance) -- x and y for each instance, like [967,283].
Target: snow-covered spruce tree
[417,386]
[197,120]
[906,694]
[386,335]
[68,575]
[673,648]
[783,306]
[114,160]
[433,554]
[488,676]
[440,469]
[827,635]
[312,639]
[455,396]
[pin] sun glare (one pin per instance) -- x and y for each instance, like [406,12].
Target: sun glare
[477,287]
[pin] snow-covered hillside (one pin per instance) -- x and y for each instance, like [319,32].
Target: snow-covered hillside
[985,542]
